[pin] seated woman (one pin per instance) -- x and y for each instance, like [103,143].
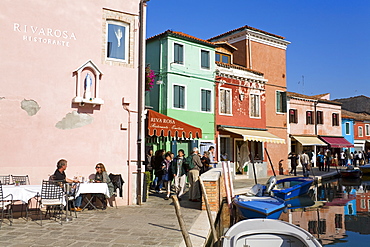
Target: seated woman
[101,176]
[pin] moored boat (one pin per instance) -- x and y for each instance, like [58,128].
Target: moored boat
[267,232]
[250,207]
[288,188]
[365,169]
[350,173]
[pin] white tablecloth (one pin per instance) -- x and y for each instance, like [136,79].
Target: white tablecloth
[88,188]
[22,192]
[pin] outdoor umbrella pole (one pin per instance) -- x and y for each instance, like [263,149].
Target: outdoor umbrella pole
[254,169]
[272,167]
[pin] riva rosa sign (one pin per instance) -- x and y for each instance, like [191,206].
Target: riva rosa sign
[50,36]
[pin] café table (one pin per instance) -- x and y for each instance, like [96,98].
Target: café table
[93,189]
[22,193]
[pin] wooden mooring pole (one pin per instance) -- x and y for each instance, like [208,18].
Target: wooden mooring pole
[184,232]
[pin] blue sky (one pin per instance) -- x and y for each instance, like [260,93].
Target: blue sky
[330,38]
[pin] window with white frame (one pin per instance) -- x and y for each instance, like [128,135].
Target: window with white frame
[255,105]
[367,130]
[117,40]
[178,55]
[225,100]
[281,102]
[206,100]
[347,125]
[360,131]
[204,59]
[178,96]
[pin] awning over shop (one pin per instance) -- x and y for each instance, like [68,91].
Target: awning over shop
[309,141]
[162,125]
[337,142]
[256,135]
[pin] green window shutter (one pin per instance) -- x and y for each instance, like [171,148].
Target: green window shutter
[176,96]
[283,102]
[182,97]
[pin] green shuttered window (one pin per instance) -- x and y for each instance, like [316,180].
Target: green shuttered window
[178,96]
[281,102]
[204,59]
[178,53]
[206,100]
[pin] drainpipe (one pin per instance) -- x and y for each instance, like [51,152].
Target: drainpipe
[141,79]
[126,107]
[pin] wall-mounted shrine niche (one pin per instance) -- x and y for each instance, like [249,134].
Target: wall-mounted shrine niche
[88,78]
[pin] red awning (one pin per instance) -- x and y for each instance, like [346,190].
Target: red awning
[162,125]
[337,142]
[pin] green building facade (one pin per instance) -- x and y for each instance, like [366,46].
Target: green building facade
[184,87]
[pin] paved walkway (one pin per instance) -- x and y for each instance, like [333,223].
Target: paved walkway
[152,224]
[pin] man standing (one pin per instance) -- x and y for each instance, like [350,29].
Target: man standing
[179,173]
[194,192]
[212,156]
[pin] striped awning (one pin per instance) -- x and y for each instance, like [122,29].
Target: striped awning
[309,141]
[256,135]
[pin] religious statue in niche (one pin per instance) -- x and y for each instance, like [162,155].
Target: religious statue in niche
[87,87]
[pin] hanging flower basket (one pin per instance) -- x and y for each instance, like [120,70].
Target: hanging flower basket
[149,78]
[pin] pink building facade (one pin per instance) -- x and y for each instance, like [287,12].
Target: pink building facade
[69,88]
[314,124]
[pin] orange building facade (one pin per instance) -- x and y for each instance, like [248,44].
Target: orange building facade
[265,52]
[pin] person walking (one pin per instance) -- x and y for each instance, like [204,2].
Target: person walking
[320,161]
[167,174]
[194,192]
[179,173]
[342,158]
[328,160]
[158,159]
[293,163]
[305,159]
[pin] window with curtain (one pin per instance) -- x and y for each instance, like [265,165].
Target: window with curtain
[204,57]
[178,96]
[225,101]
[281,102]
[309,117]
[117,40]
[178,53]
[335,119]
[293,117]
[319,117]
[255,105]
[206,100]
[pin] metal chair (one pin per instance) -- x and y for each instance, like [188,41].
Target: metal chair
[52,197]
[71,196]
[5,179]
[6,206]
[22,180]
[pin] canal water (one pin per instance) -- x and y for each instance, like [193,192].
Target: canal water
[336,212]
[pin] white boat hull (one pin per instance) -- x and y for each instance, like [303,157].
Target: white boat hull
[267,232]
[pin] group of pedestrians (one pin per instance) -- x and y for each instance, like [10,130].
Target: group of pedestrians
[174,172]
[325,159]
